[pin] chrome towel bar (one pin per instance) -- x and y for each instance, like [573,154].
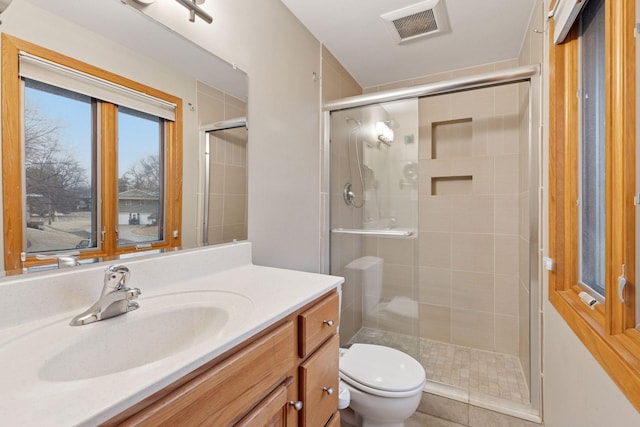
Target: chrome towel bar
[373,233]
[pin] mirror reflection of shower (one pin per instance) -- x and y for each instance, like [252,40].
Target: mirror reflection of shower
[224,216]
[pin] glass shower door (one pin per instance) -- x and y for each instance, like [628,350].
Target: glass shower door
[374,220]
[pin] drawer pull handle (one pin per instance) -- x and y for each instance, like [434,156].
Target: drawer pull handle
[296,405]
[327,322]
[328,390]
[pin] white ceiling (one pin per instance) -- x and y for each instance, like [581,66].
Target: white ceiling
[482,31]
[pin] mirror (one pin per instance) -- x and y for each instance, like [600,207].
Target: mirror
[105,33]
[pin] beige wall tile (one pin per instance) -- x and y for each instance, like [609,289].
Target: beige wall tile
[506,255]
[435,322]
[523,260]
[506,99]
[235,181]
[511,129]
[435,213]
[472,291]
[475,103]
[398,281]
[397,251]
[523,215]
[506,334]
[472,214]
[506,294]
[234,232]
[215,235]
[472,252]
[435,286]
[523,331]
[506,175]
[480,135]
[216,205]
[507,214]
[217,178]
[437,109]
[235,208]
[472,329]
[434,249]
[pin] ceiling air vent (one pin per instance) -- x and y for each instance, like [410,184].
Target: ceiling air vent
[422,19]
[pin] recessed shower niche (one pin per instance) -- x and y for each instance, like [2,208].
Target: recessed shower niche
[452,138]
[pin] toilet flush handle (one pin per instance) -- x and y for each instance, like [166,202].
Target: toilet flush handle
[328,322]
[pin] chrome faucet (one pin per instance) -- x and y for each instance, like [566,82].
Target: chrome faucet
[116,298]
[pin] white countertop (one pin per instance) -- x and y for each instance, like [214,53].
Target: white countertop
[33,396]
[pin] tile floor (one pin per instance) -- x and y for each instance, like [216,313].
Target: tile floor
[493,374]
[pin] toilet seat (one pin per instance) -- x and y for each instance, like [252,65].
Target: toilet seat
[381,371]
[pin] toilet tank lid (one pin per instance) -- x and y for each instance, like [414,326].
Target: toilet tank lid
[382,368]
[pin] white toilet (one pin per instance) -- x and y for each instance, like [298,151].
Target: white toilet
[385,385]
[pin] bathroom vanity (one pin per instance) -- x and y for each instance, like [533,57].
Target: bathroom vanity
[216,341]
[286,375]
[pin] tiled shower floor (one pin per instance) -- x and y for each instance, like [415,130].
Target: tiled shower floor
[493,374]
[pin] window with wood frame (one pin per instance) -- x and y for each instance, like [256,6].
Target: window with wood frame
[592,185]
[92,161]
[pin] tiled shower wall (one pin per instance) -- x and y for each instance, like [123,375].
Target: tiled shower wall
[469,176]
[471,214]
[227,166]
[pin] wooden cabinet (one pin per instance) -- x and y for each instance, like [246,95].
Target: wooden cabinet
[287,375]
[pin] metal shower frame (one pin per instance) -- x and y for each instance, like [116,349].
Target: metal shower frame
[528,74]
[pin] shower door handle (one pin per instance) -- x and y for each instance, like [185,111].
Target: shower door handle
[373,233]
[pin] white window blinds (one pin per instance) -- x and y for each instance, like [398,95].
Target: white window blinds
[42,70]
[565,13]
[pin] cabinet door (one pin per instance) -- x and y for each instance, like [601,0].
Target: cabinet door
[319,384]
[271,412]
[220,395]
[334,421]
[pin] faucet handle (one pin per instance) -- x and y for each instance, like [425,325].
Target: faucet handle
[115,278]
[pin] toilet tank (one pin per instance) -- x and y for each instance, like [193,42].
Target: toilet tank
[366,274]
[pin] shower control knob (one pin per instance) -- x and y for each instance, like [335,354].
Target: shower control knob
[296,405]
[328,390]
[328,322]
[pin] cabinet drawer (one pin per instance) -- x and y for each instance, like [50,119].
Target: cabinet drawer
[220,395]
[318,323]
[319,384]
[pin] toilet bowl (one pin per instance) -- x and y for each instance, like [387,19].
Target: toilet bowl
[385,385]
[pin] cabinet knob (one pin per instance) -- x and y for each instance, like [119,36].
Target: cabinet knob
[296,405]
[328,390]
[328,322]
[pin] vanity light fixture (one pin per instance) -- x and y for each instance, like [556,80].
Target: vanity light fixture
[384,132]
[194,10]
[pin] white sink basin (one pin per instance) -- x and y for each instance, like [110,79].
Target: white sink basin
[162,327]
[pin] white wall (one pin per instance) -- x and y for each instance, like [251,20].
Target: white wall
[576,390]
[279,55]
